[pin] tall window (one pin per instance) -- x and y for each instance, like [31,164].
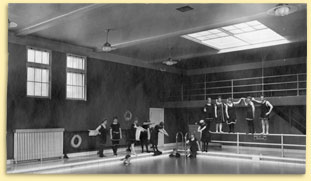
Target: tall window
[76,77]
[38,73]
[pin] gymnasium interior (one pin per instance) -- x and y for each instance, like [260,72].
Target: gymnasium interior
[72,65]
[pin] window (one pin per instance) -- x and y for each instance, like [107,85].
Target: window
[38,73]
[76,77]
[236,37]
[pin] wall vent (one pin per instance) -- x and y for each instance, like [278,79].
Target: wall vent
[184,9]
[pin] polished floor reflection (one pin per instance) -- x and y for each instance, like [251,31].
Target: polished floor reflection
[201,165]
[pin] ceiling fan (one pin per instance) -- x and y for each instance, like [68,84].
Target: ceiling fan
[170,61]
[106,47]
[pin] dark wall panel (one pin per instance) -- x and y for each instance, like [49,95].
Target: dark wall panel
[111,90]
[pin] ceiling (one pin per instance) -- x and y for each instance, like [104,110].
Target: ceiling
[147,31]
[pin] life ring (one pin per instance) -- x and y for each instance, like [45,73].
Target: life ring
[73,143]
[127,115]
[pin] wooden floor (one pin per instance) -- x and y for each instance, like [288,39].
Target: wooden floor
[212,162]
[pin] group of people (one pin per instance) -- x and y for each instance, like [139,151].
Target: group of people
[144,134]
[220,112]
[225,112]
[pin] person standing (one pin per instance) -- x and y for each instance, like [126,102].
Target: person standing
[131,136]
[219,115]
[250,114]
[209,111]
[102,133]
[145,136]
[231,113]
[266,109]
[155,136]
[115,135]
[205,134]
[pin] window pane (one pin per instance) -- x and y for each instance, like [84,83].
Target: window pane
[75,63]
[45,75]
[80,63]
[45,89]
[79,79]
[38,75]
[30,74]
[74,79]
[31,55]
[45,57]
[38,56]
[69,91]
[79,92]
[83,93]
[74,92]
[38,89]
[72,62]
[30,88]
[69,79]
[69,61]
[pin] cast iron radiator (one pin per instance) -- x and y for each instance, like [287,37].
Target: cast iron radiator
[38,144]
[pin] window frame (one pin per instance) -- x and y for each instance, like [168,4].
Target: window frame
[74,70]
[40,66]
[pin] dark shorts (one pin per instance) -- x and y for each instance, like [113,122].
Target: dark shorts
[266,117]
[115,138]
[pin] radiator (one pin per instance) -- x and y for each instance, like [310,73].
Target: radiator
[34,144]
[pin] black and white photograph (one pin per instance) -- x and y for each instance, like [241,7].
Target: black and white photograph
[197,88]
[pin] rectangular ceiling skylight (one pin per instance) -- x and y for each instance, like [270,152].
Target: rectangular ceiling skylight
[236,37]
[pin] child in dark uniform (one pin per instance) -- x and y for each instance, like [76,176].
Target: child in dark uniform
[102,133]
[250,114]
[194,146]
[155,136]
[205,134]
[231,113]
[145,136]
[115,135]
[131,133]
[127,159]
[219,115]
[265,111]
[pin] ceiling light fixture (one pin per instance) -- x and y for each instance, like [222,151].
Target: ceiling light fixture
[107,46]
[169,61]
[282,10]
[11,24]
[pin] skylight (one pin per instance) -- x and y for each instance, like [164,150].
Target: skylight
[236,37]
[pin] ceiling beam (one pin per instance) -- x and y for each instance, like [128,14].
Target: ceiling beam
[59,19]
[88,52]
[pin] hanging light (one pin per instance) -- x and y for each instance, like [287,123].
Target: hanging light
[169,61]
[11,24]
[282,10]
[107,46]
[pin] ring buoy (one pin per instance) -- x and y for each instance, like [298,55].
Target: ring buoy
[127,115]
[73,141]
